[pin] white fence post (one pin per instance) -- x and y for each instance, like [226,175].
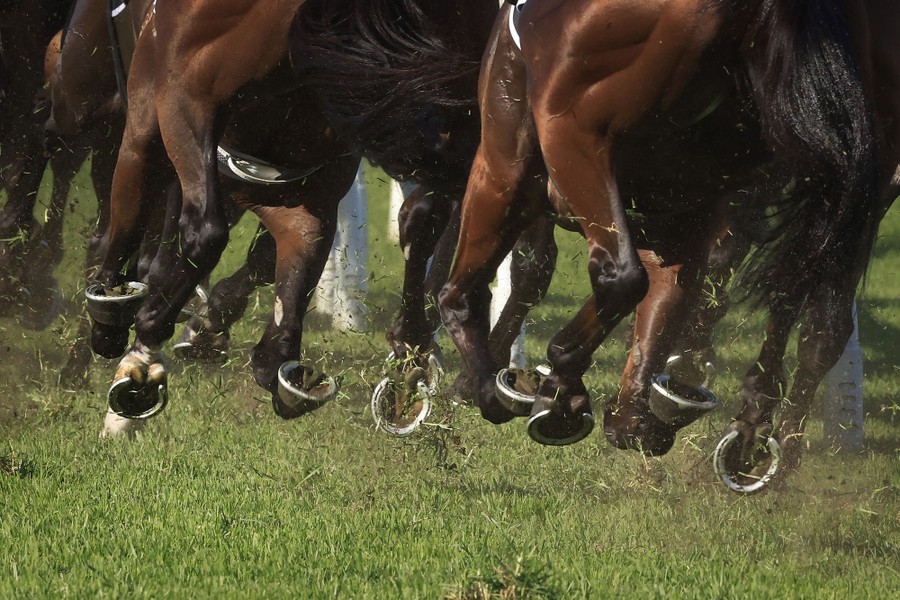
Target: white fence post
[500,295]
[343,285]
[842,410]
[397,193]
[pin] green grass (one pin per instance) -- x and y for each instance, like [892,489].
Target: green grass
[221,498]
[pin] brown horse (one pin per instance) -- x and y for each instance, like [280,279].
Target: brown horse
[253,102]
[685,128]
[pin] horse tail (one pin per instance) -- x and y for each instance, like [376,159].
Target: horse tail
[388,74]
[805,81]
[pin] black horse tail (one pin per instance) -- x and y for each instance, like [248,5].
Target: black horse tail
[805,81]
[388,74]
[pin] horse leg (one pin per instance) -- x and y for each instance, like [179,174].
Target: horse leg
[580,165]
[45,246]
[679,312]
[103,148]
[17,222]
[506,191]
[741,456]
[423,219]
[303,238]
[820,345]
[629,422]
[206,335]
[135,180]
[533,262]
[497,206]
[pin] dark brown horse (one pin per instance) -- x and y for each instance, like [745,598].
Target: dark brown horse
[25,30]
[680,124]
[252,101]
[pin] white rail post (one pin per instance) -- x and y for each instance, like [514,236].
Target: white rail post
[842,401]
[343,285]
[500,295]
[397,192]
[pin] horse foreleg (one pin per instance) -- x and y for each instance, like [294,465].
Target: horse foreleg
[140,169]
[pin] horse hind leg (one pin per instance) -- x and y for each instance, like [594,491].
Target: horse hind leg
[46,246]
[423,219]
[206,335]
[821,343]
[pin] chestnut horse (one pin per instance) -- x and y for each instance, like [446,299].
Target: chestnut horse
[685,128]
[182,103]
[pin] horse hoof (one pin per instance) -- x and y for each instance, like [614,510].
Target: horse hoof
[677,404]
[743,473]
[190,351]
[131,400]
[301,391]
[555,428]
[398,408]
[517,389]
[115,306]
[197,353]
[109,341]
[195,307]
[115,426]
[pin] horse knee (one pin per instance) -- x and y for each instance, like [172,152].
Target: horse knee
[453,307]
[618,285]
[202,241]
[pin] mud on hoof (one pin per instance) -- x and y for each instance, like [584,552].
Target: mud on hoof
[560,422]
[748,458]
[403,400]
[518,388]
[301,390]
[201,345]
[140,390]
[115,306]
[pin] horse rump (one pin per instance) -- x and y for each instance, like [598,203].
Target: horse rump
[387,76]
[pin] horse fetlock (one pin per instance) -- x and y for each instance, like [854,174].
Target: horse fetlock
[140,389]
